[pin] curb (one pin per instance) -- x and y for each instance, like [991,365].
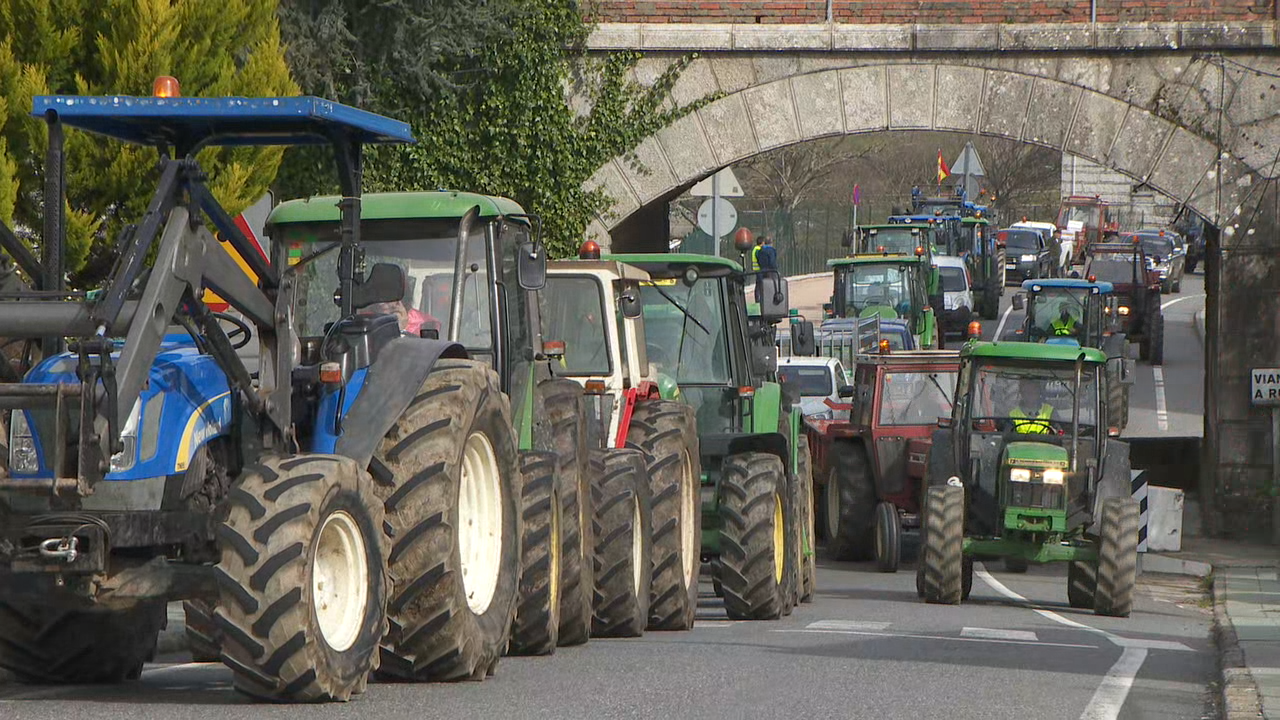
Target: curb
[1198,322]
[1238,693]
[1158,563]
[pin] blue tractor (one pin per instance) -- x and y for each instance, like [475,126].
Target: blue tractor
[150,461]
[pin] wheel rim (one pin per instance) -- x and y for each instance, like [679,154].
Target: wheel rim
[689,545]
[779,546]
[637,545]
[479,522]
[340,581]
[554,580]
[831,493]
[881,528]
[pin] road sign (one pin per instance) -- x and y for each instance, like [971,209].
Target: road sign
[1266,386]
[728,182]
[725,219]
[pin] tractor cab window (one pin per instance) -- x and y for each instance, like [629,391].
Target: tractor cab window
[425,250]
[1118,268]
[881,288]
[1033,400]
[685,331]
[1063,305]
[916,398]
[1085,215]
[953,279]
[809,381]
[575,314]
[897,241]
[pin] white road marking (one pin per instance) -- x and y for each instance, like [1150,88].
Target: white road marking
[716,623]
[998,634]
[951,638]
[1110,695]
[1162,411]
[1003,319]
[1175,301]
[178,666]
[846,625]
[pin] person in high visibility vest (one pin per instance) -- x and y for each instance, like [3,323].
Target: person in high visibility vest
[1033,416]
[1065,325]
[755,254]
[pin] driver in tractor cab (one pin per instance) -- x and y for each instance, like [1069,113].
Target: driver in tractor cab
[1066,324]
[1033,414]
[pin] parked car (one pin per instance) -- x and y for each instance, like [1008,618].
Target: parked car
[1167,252]
[1061,247]
[1027,254]
[816,380]
[957,297]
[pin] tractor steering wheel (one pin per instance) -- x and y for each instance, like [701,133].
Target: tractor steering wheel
[240,334]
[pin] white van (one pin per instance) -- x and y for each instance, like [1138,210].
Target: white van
[957,298]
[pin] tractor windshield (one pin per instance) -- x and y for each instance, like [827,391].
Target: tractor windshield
[685,330]
[1085,215]
[916,398]
[1034,399]
[809,381]
[1117,268]
[425,250]
[897,241]
[1058,311]
[574,312]
[879,285]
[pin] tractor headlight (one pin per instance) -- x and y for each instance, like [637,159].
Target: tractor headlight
[1028,258]
[22,445]
[128,454]
[1020,475]
[1053,477]
[1124,309]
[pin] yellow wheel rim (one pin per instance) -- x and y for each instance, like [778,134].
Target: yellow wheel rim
[555,552]
[779,544]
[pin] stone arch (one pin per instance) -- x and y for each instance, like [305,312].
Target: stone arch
[901,94]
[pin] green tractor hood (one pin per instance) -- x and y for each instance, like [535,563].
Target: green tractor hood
[1035,455]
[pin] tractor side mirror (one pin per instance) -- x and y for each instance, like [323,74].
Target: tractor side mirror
[386,283]
[845,391]
[846,238]
[802,341]
[629,303]
[531,266]
[771,288]
[1019,302]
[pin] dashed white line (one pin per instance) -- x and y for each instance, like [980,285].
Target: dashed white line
[998,634]
[1162,411]
[847,625]
[1003,319]
[949,638]
[1175,301]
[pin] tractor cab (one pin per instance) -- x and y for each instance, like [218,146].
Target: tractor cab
[984,254]
[890,287]
[1084,220]
[892,239]
[1136,282]
[1066,312]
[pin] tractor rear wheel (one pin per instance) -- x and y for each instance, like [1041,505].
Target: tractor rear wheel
[561,429]
[1016,564]
[991,301]
[808,549]
[942,556]
[42,645]
[850,503]
[303,579]
[447,472]
[1117,557]
[754,557]
[667,433]
[623,560]
[536,627]
[888,537]
[1082,584]
[201,631]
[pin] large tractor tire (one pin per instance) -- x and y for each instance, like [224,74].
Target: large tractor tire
[808,546]
[1156,334]
[667,433]
[888,537]
[48,646]
[303,579]
[561,428]
[623,559]
[202,631]
[850,503]
[1117,558]
[941,556]
[1117,397]
[1082,584]
[1016,565]
[991,300]
[447,471]
[536,628]
[754,557]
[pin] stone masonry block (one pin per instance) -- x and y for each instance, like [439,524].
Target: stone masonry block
[733,73]
[818,103]
[1185,162]
[651,175]
[1049,115]
[609,178]
[1004,105]
[781,37]
[696,82]
[1045,36]
[1097,122]
[686,147]
[680,36]
[773,114]
[910,96]
[957,37]
[1134,36]
[728,129]
[871,37]
[1139,143]
[865,106]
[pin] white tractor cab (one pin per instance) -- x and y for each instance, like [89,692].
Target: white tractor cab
[957,297]
[1066,244]
[592,307]
[817,380]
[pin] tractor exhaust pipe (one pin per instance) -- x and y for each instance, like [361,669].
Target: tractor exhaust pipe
[459,272]
[1075,412]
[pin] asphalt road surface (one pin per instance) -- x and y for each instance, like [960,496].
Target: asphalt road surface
[866,647]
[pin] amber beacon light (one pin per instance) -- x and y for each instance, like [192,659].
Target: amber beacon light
[166,86]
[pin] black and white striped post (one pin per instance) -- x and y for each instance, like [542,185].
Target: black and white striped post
[1138,482]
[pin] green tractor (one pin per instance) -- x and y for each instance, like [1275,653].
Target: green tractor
[892,238]
[756,489]
[1024,469]
[985,255]
[1085,314]
[890,286]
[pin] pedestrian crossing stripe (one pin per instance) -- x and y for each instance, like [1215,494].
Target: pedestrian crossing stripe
[1138,480]
[998,634]
[846,625]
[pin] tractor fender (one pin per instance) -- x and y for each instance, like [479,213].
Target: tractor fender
[722,445]
[391,384]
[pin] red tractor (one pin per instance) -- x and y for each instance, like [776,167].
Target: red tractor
[1083,220]
[867,469]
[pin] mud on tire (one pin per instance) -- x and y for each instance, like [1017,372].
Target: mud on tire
[302,579]
[1117,557]
[754,557]
[43,645]
[455,591]
[202,632]
[536,628]
[941,553]
[623,561]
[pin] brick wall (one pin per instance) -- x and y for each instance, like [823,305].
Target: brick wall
[928,11]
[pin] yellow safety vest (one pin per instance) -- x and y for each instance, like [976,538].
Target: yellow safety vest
[755,258]
[1063,328]
[1028,425]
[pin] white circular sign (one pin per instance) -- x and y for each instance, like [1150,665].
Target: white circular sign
[726,217]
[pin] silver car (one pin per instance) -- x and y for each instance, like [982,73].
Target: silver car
[1167,252]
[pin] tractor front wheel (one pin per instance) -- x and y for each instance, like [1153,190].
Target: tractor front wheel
[850,503]
[754,557]
[1117,557]
[45,645]
[623,564]
[1082,584]
[1016,564]
[942,553]
[888,537]
[536,628]
[808,550]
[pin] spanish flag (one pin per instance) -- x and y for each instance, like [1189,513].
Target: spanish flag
[944,172]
